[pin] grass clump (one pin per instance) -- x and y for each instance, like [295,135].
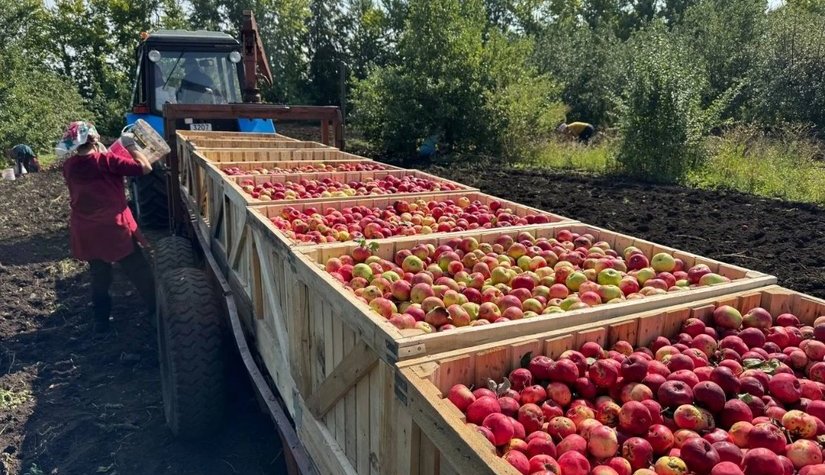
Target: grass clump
[595,158]
[9,399]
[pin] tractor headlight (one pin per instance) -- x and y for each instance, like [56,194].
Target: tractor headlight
[154,56]
[235,57]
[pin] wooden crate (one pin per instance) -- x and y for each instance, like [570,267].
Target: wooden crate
[221,205]
[445,444]
[263,213]
[339,354]
[282,154]
[260,142]
[247,166]
[247,271]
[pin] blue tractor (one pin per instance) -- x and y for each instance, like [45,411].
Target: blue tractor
[193,67]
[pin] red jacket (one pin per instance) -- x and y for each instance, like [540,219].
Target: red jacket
[101,224]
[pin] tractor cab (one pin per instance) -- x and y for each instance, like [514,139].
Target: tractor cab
[190,67]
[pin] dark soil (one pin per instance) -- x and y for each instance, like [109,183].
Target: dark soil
[771,236]
[71,403]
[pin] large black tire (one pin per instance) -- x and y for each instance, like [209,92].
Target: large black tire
[149,199]
[192,354]
[173,252]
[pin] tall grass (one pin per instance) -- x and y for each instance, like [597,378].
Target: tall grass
[785,165]
[596,158]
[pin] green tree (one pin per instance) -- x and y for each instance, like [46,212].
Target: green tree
[38,122]
[588,64]
[326,51]
[368,38]
[456,79]
[788,79]
[437,88]
[662,121]
[724,36]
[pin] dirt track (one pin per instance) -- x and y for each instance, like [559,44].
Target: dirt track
[80,405]
[88,406]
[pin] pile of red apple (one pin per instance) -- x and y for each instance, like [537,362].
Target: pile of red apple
[741,395]
[466,283]
[309,168]
[401,218]
[331,188]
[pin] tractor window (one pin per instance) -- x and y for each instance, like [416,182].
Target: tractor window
[195,78]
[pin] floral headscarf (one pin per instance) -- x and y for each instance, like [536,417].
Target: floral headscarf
[78,133]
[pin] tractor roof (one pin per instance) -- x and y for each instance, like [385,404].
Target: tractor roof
[185,36]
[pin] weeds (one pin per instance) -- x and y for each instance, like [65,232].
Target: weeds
[10,399]
[786,166]
[597,158]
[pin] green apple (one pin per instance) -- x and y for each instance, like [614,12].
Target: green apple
[610,292]
[645,274]
[569,302]
[471,309]
[663,262]
[362,270]
[575,280]
[553,309]
[609,277]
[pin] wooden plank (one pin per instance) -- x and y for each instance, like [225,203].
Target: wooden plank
[357,364]
[363,424]
[235,251]
[272,304]
[350,415]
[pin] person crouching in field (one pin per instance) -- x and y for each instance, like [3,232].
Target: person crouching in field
[581,131]
[25,160]
[101,225]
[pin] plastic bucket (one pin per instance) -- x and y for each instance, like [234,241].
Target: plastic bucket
[149,142]
[7,174]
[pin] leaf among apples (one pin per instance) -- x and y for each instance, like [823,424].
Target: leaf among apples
[499,389]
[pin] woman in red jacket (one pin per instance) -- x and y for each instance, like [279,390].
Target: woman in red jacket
[102,228]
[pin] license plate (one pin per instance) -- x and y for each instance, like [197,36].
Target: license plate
[201,127]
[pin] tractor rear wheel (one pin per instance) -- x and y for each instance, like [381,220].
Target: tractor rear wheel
[192,353]
[173,252]
[149,199]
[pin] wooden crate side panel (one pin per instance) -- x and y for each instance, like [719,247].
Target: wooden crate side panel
[294,152]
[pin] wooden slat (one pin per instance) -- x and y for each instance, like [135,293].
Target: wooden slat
[347,373]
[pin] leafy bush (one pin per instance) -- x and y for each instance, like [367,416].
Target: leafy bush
[662,120]
[470,88]
[35,104]
[724,37]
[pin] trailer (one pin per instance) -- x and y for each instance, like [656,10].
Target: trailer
[200,317]
[332,374]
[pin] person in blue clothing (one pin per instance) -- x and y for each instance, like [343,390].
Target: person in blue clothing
[24,159]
